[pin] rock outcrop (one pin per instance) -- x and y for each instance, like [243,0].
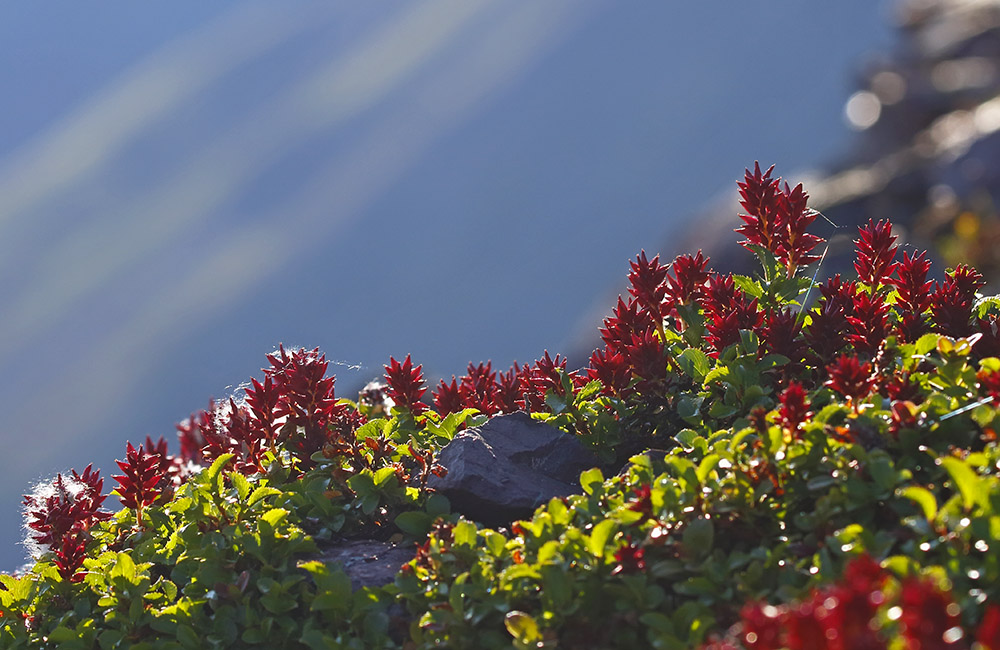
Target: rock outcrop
[504,469]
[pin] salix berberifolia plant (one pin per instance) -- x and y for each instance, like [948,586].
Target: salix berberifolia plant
[808,463]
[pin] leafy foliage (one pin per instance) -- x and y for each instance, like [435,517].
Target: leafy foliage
[775,474]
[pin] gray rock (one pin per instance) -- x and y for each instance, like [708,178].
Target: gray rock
[369,562]
[506,468]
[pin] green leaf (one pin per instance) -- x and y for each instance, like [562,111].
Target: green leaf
[212,473]
[62,634]
[924,498]
[748,285]
[274,516]
[383,476]
[768,262]
[688,407]
[437,505]
[686,438]
[371,429]
[592,388]
[694,363]
[362,483]
[262,493]
[926,343]
[599,537]
[495,542]
[522,627]
[972,488]
[241,484]
[465,533]
[589,478]
[414,523]
[124,568]
[706,466]
[698,537]
[718,373]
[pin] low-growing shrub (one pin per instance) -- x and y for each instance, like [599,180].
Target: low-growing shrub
[785,463]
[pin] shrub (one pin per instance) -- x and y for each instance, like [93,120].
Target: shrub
[776,474]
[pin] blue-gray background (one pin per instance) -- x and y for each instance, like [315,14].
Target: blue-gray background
[184,185]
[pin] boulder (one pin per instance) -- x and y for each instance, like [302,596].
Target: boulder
[368,562]
[504,469]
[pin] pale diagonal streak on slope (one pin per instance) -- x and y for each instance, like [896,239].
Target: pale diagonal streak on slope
[339,91]
[335,196]
[86,141]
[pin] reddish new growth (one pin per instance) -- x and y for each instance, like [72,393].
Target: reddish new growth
[686,279]
[139,481]
[64,505]
[952,300]
[647,280]
[930,618]
[913,295]
[869,323]
[728,310]
[794,409]
[631,558]
[406,385]
[851,378]
[875,252]
[777,219]
[70,554]
[307,400]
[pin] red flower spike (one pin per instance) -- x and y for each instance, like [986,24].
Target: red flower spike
[307,393]
[627,320]
[532,398]
[647,357]
[70,554]
[307,400]
[612,369]
[777,219]
[795,249]
[727,319]
[547,373]
[930,618]
[875,253]
[913,299]
[989,344]
[647,280]
[630,558]
[447,398]
[794,409]
[139,480]
[764,222]
[780,334]
[899,386]
[761,626]
[902,415]
[687,278]
[643,501]
[806,625]
[989,383]
[191,439]
[719,294]
[65,503]
[263,398]
[508,397]
[406,384]
[952,300]
[869,324]
[851,378]
[988,634]
[478,388]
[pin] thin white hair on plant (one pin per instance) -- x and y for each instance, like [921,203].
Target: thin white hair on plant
[62,486]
